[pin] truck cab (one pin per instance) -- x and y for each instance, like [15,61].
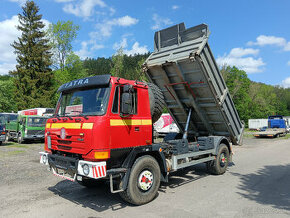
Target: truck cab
[93,121]
[26,127]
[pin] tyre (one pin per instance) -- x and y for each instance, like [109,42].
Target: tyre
[144,181]
[0,142]
[156,100]
[7,138]
[220,164]
[20,138]
[90,183]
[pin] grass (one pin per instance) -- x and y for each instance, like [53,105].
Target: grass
[285,137]
[18,146]
[248,136]
[12,153]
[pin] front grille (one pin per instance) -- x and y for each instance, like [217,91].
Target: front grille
[64,142]
[35,132]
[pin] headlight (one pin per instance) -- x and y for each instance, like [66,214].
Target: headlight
[44,159]
[86,169]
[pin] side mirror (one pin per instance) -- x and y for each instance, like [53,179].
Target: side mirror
[126,104]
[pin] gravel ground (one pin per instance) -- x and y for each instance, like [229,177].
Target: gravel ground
[256,185]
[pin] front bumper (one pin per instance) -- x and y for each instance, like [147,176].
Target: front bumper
[34,137]
[69,168]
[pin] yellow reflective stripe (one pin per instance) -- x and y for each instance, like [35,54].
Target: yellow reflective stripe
[47,125]
[147,122]
[66,125]
[88,125]
[130,122]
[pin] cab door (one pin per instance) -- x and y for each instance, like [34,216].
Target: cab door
[126,130]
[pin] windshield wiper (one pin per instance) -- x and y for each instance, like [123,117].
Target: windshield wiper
[81,114]
[68,116]
[56,116]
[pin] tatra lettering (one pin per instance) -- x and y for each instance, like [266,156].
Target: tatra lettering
[75,82]
[86,81]
[80,82]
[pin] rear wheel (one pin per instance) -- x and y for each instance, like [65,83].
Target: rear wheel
[0,142]
[220,164]
[144,181]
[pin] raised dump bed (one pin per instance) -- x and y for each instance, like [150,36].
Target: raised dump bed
[183,67]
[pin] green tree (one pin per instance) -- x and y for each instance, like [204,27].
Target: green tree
[238,84]
[118,66]
[98,66]
[32,77]
[61,36]
[7,102]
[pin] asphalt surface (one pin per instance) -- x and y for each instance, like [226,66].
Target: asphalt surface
[256,185]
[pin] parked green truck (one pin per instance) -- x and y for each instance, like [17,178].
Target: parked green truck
[30,125]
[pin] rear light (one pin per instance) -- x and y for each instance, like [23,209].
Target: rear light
[3,133]
[101,154]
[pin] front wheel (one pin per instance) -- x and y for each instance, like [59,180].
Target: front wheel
[220,164]
[7,138]
[19,138]
[144,181]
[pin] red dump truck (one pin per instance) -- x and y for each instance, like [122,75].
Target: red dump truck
[103,125]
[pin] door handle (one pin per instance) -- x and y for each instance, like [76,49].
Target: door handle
[137,129]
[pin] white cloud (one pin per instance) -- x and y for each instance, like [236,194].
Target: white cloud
[136,48]
[122,44]
[105,28]
[286,82]
[287,47]
[159,22]
[288,63]
[9,34]
[240,52]
[174,7]
[112,11]
[263,40]
[239,57]
[84,8]
[88,48]
[123,21]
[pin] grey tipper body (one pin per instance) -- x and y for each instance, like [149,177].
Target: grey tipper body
[184,68]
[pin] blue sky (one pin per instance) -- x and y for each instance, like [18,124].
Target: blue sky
[253,35]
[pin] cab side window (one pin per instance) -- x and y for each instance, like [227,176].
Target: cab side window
[133,100]
[118,98]
[115,107]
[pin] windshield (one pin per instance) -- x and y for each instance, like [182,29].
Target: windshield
[36,121]
[84,102]
[2,119]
